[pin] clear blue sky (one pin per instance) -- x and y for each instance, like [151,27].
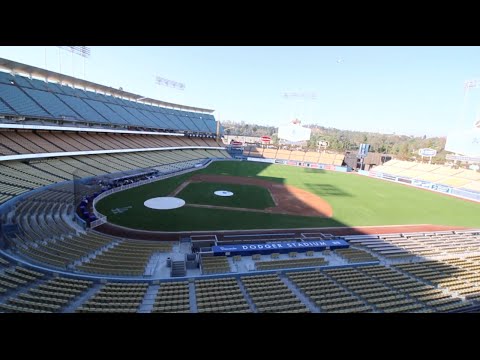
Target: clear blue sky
[406,90]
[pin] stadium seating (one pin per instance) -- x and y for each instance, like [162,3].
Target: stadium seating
[270,294]
[220,295]
[425,286]
[172,297]
[355,255]
[116,297]
[32,97]
[35,142]
[327,294]
[50,296]
[284,264]
[16,277]
[425,244]
[18,177]
[127,257]
[49,263]
[300,156]
[215,264]
[457,178]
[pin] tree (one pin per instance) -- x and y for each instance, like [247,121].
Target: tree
[275,139]
[340,140]
[404,151]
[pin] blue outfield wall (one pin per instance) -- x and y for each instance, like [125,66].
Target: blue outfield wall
[280,247]
[466,194]
[270,161]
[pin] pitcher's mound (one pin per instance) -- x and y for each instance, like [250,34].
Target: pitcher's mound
[164,203]
[223,193]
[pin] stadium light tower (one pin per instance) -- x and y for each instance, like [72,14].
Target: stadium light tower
[169,83]
[467,86]
[304,95]
[83,51]
[471,84]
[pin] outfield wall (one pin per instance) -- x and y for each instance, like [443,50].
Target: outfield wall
[304,164]
[461,193]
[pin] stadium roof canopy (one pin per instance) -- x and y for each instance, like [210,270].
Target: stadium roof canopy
[33,71]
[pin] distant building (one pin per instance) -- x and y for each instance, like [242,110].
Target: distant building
[370,161]
[227,139]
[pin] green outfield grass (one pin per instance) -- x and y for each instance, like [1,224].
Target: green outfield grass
[356,200]
[245,196]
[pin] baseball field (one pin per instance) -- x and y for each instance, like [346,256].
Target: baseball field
[267,196]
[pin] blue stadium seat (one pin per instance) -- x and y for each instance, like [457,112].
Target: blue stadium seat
[106,112]
[162,119]
[113,100]
[52,104]
[56,88]
[83,109]
[128,103]
[68,90]
[145,116]
[20,102]
[37,84]
[191,125]
[121,110]
[5,110]
[5,78]
[175,121]
[22,82]
[211,124]
[92,95]
[33,97]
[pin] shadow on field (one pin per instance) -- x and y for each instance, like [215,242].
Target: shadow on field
[271,178]
[327,189]
[314,171]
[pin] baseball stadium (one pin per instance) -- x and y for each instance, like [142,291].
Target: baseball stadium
[112,202]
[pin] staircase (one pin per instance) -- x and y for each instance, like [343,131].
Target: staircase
[149,299]
[83,297]
[178,269]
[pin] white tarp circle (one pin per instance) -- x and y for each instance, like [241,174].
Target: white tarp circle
[223,193]
[164,203]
